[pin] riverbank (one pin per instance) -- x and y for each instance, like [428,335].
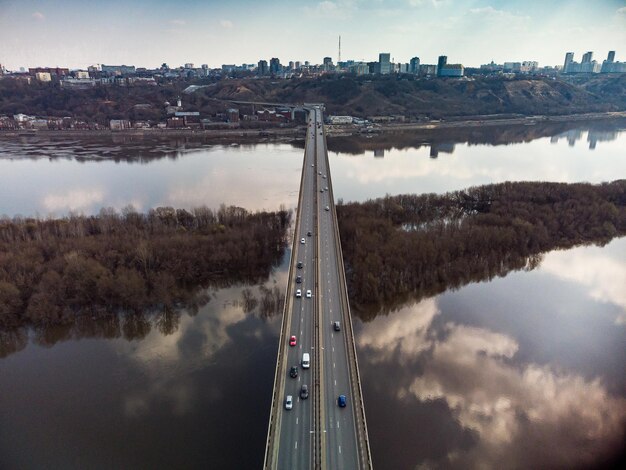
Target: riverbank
[290,133]
[476,121]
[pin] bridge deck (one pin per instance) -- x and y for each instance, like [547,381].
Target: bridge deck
[316,432]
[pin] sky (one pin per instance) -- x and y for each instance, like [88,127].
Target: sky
[146,33]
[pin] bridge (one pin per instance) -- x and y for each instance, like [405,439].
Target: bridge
[314,431]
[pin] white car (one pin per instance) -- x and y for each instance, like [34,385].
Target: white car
[289,402]
[302,240]
[327,208]
[298,293]
[308,294]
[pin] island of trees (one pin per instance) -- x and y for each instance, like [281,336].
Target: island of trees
[57,271]
[413,246]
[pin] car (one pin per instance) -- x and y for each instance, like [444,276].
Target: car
[326,188]
[319,172]
[298,279]
[298,293]
[292,340]
[304,392]
[289,402]
[308,294]
[309,233]
[336,326]
[302,241]
[322,190]
[293,372]
[327,208]
[324,176]
[300,265]
[341,401]
[313,164]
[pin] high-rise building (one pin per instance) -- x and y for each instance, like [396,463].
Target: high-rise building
[611,56]
[275,66]
[441,63]
[262,68]
[292,65]
[384,63]
[587,57]
[569,58]
[328,63]
[414,65]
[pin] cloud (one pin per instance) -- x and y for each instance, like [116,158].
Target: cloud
[403,333]
[602,275]
[419,3]
[330,10]
[226,24]
[513,407]
[178,22]
[621,11]
[73,200]
[39,16]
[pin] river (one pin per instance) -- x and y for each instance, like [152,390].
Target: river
[528,369]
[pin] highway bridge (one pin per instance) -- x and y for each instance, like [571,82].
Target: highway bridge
[308,428]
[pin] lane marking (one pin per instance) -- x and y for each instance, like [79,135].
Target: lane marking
[340,449]
[297,420]
[297,446]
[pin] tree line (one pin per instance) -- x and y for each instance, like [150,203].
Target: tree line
[414,246]
[55,270]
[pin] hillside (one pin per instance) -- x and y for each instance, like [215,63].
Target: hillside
[357,96]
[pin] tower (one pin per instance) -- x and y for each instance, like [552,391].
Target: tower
[611,56]
[339,57]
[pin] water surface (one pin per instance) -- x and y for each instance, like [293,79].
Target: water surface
[527,369]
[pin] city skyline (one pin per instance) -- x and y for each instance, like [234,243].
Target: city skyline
[150,32]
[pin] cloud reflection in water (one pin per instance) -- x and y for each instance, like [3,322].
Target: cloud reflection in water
[527,414]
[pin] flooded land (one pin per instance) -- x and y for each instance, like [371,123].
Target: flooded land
[496,333]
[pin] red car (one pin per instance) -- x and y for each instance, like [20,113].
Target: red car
[292,341]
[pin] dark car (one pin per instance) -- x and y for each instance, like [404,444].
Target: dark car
[304,392]
[299,280]
[294,371]
[300,264]
[336,326]
[341,401]
[309,233]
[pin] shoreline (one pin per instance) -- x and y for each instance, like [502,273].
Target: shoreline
[236,135]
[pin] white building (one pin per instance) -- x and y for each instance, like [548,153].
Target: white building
[340,119]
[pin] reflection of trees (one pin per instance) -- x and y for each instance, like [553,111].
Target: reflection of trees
[12,341]
[485,135]
[410,247]
[270,301]
[123,147]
